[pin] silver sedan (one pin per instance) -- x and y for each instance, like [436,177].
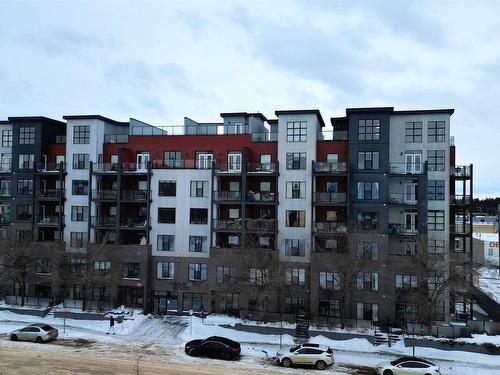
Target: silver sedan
[36,332]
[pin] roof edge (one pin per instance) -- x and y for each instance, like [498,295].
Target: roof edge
[302,112]
[35,118]
[95,117]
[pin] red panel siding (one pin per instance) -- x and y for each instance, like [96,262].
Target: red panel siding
[331,147]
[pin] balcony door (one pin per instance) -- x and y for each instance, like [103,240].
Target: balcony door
[410,222]
[142,161]
[204,160]
[413,163]
[6,162]
[410,194]
[234,162]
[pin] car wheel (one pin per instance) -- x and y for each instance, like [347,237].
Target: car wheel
[388,372]
[286,362]
[13,337]
[192,353]
[320,365]
[38,340]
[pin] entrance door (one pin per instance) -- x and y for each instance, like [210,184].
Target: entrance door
[234,162]
[142,161]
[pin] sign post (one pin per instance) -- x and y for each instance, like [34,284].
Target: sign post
[191,323]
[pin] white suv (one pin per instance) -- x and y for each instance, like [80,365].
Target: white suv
[315,355]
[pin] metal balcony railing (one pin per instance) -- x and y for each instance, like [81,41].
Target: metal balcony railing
[261,167]
[48,220]
[105,167]
[134,195]
[406,168]
[103,221]
[261,196]
[260,225]
[174,164]
[228,167]
[50,193]
[402,198]
[228,196]
[227,224]
[460,200]
[402,230]
[330,197]
[329,227]
[133,223]
[104,194]
[51,167]
[461,171]
[135,167]
[327,167]
[116,138]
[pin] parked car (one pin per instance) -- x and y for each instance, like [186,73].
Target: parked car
[36,332]
[319,356]
[214,347]
[407,366]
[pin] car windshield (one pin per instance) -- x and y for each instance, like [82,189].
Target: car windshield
[46,328]
[294,348]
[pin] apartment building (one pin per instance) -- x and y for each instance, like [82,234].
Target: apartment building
[204,216]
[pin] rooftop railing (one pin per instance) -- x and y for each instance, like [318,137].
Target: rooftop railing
[201,129]
[461,171]
[332,135]
[116,138]
[264,137]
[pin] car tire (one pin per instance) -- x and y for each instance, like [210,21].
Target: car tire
[320,365]
[286,362]
[192,353]
[13,337]
[39,340]
[388,372]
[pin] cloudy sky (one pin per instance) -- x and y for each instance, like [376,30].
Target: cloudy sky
[162,60]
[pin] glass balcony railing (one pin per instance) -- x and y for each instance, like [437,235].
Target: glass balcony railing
[330,167]
[402,230]
[50,193]
[330,197]
[460,200]
[103,221]
[406,168]
[134,195]
[461,171]
[402,198]
[262,167]
[326,227]
[228,196]
[260,225]
[261,196]
[49,220]
[104,194]
[227,224]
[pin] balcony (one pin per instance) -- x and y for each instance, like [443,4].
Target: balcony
[134,195]
[329,227]
[401,230]
[264,137]
[104,195]
[116,138]
[402,199]
[262,168]
[460,200]
[462,171]
[50,194]
[260,225]
[176,164]
[131,167]
[263,197]
[105,167]
[51,167]
[406,168]
[5,167]
[228,225]
[49,220]
[103,221]
[332,135]
[5,220]
[327,168]
[460,229]
[227,196]
[130,223]
[229,168]
[5,193]
[330,198]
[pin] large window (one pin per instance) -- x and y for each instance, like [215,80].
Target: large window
[80,187]
[199,188]
[330,280]
[329,307]
[77,239]
[295,247]
[131,270]
[166,242]
[435,279]
[26,135]
[165,270]
[295,276]
[24,187]
[81,134]
[166,215]
[197,271]
[367,220]
[368,160]
[26,161]
[198,244]
[78,213]
[44,265]
[6,138]
[367,249]
[80,161]
[295,189]
[296,131]
[369,130]
[296,160]
[406,282]
[24,212]
[368,190]
[167,188]
[198,215]
[436,246]
[295,218]
[435,220]
[172,159]
[435,160]
[436,131]
[295,305]
[413,132]
[367,281]
[435,190]
[225,275]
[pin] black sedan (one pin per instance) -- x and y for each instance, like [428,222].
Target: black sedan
[214,347]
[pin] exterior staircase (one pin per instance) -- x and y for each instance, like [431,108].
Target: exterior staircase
[302,328]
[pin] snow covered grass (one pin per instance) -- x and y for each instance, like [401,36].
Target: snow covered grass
[476,339]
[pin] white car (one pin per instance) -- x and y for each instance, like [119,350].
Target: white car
[408,366]
[35,332]
[319,356]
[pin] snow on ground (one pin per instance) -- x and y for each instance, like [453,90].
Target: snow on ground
[489,282]
[478,339]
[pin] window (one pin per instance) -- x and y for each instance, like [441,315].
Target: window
[165,270]
[5,188]
[225,275]
[165,242]
[197,271]
[259,276]
[296,160]
[367,250]
[26,135]
[197,244]
[100,293]
[435,279]
[436,131]
[198,215]
[25,187]
[233,241]
[23,212]
[192,301]
[6,138]
[413,132]
[80,187]
[406,282]
[172,159]
[131,270]
[199,188]
[368,190]
[265,162]
[26,161]
[5,162]
[295,218]
[102,266]
[295,189]
[296,131]
[435,190]
[80,161]
[367,311]
[409,247]
[295,247]
[367,280]
[234,213]
[435,160]
[367,220]
[329,308]
[331,245]
[330,280]
[204,160]
[369,130]
[295,276]
[265,187]
[436,246]
[78,213]
[77,239]
[44,265]
[435,220]
[166,215]
[60,139]
[81,134]
[167,188]
[368,160]
[228,301]
[295,305]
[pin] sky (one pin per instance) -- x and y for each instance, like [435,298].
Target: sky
[160,61]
